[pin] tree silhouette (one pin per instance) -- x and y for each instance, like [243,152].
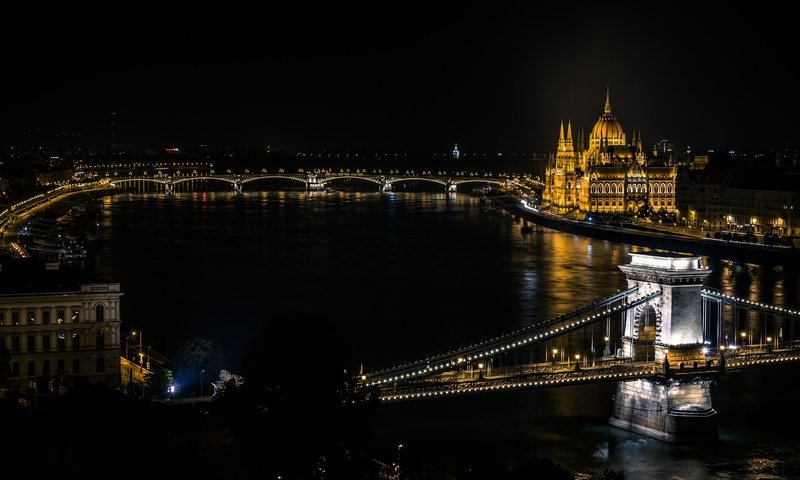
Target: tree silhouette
[194,356]
[300,413]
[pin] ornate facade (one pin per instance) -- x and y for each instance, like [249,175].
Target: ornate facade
[58,329]
[608,175]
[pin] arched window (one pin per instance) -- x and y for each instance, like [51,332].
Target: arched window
[46,367]
[99,339]
[663,188]
[31,369]
[76,366]
[594,188]
[621,188]
[100,313]
[656,189]
[669,188]
[569,185]
[101,365]
[613,188]
[61,366]
[76,340]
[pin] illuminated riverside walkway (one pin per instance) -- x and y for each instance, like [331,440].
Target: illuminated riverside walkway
[674,339]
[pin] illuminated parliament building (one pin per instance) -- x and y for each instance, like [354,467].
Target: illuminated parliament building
[609,175]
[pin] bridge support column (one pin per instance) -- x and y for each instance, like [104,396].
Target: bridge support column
[169,187]
[450,187]
[386,187]
[313,184]
[238,185]
[676,411]
[667,333]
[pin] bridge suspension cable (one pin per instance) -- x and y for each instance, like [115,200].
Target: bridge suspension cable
[749,304]
[529,335]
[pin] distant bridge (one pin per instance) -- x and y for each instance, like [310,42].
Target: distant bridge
[317,181]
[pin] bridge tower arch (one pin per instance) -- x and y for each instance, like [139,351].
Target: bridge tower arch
[667,330]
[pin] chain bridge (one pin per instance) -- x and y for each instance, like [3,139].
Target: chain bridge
[672,339]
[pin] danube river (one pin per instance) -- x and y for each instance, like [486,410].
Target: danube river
[409,273]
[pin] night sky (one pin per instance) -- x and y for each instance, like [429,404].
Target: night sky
[398,77]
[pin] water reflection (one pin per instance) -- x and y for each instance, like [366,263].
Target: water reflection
[406,274]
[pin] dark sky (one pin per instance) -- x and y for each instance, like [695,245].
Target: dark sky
[400,77]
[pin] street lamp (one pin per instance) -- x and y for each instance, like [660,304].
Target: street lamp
[555,351]
[577,362]
[744,335]
[132,334]
[397,469]
[607,350]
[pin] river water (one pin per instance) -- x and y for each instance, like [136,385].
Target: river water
[406,274]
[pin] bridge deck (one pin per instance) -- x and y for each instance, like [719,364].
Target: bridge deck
[548,375]
[529,335]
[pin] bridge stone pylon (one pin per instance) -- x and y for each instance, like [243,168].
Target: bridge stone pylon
[450,186]
[386,185]
[314,183]
[169,186]
[238,185]
[667,330]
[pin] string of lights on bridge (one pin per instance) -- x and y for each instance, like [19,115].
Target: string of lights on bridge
[535,338]
[515,385]
[761,361]
[512,334]
[763,306]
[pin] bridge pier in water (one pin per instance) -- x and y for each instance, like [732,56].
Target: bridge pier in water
[668,329]
[314,184]
[450,187]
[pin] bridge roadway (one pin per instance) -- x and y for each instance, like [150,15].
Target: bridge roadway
[317,181]
[605,369]
[532,334]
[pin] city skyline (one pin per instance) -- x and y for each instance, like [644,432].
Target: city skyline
[354,80]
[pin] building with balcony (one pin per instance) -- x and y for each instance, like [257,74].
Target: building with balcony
[757,201]
[58,327]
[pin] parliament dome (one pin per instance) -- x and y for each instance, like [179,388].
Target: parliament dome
[607,127]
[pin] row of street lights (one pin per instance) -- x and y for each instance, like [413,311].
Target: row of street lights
[141,349]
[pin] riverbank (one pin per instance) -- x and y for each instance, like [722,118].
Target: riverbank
[642,235]
[53,223]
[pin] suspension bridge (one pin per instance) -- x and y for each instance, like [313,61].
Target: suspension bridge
[672,339]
